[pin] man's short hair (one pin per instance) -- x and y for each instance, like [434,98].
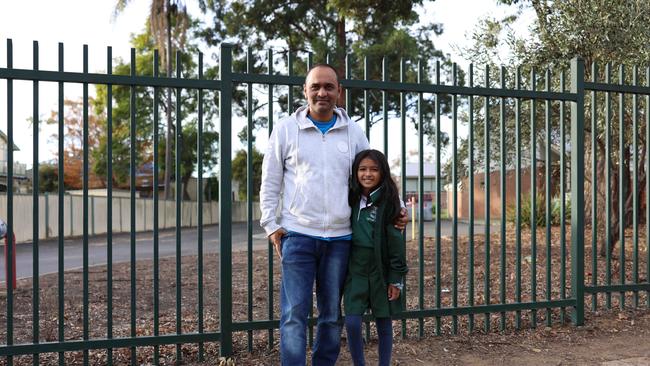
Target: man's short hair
[325,65]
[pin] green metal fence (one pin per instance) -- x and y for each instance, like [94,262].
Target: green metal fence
[454,279]
[632,144]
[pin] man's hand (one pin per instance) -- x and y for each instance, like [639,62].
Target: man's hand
[393,292]
[402,219]
[276,239]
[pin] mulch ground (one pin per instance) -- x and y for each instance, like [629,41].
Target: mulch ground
[421,343]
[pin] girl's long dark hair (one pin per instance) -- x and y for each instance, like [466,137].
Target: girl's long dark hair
[388,187]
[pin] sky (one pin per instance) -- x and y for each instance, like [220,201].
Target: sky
[79,22]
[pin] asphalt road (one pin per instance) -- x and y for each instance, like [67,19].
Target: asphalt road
[97,246]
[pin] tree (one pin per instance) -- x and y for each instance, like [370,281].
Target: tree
[597,31]
[318,25]
[169,23]
[240,175]
[48,178]
[369,28]
[189,156]
[73,143]
[121,115]
[144,120]
[211,192]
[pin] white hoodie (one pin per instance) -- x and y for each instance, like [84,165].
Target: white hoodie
[310,171]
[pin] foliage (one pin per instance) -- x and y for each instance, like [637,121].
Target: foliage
[144,115]
[444,214]
[169,23]
[614,32]
[189,153]
[239,173]
[73,146]
[540,211]
[596,31]
[48,178]
[211,192]
[371,28]
[168,27]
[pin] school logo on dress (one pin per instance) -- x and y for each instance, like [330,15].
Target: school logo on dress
[372,214]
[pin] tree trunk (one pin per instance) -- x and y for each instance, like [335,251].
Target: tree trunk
[168,137]
[609,244]
[628,207]
[341,45]
[186,180]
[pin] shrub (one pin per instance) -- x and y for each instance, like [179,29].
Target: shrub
[540,214]
[444,214]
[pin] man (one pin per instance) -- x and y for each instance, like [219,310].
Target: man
[307,166]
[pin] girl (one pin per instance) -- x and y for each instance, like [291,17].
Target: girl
[377,260]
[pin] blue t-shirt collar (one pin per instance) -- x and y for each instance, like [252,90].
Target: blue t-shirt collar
[323,126]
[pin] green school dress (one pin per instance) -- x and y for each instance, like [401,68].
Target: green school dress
[377,258]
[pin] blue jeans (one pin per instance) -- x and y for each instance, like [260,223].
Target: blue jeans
[304,260]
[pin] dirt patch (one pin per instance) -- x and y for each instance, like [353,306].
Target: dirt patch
[609,335]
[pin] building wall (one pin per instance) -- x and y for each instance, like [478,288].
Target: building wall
[428,183]
[494,192]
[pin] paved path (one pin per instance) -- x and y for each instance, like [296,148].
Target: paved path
[97,246]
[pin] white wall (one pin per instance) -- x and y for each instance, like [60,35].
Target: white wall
[97,215]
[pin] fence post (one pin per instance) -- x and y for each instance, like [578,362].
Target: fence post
[225,200]
[577,189]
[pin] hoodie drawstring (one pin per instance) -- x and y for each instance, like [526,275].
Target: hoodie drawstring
[349,149]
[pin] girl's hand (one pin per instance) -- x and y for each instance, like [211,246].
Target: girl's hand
[393,292]
[402,219]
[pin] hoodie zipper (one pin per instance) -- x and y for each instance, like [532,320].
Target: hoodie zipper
[325,180]
[325,175]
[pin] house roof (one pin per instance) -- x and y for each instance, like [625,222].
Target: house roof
[4,138]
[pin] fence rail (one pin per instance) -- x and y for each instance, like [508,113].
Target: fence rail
[455,278]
